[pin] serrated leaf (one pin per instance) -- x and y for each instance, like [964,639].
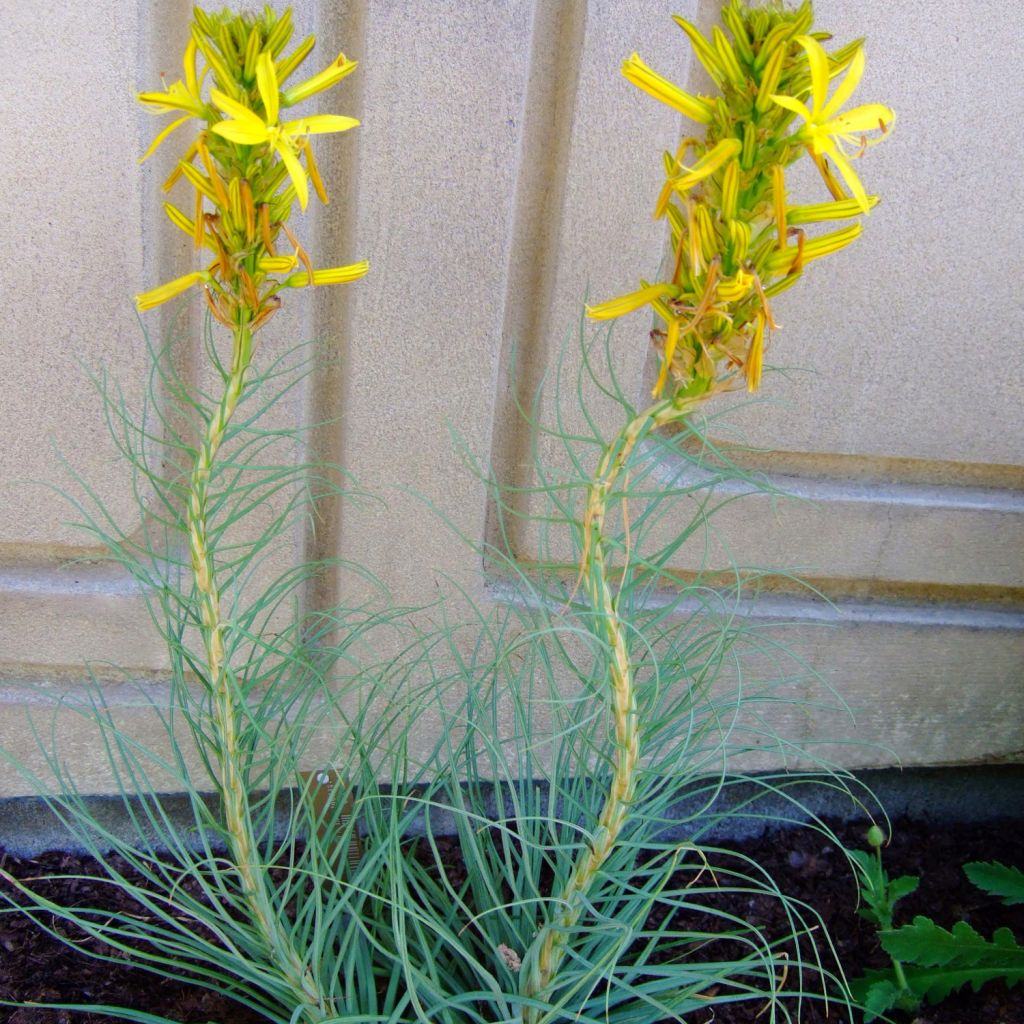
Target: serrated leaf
[997,880]
[935,983]
[879,991]
[937,962]
[902,886]
[926,943]
[878,998]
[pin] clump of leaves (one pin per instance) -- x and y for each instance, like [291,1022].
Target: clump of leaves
[928,961]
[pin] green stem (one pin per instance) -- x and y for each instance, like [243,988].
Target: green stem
[227,713]
[550,942]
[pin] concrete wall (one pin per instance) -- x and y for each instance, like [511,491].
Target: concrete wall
[503,168]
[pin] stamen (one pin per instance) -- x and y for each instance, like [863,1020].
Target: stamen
[301,253]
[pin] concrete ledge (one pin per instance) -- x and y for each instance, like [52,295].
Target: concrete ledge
[939,795]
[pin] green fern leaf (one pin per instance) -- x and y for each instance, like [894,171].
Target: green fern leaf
[927,944]
[934,984]
[937,961]
[997,880]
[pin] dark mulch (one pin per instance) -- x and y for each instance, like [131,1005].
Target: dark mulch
[37,967]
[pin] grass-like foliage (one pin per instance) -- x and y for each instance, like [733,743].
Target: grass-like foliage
[523,751]
[554,730]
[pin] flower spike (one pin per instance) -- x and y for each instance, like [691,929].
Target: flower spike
[244,162]
[736,241]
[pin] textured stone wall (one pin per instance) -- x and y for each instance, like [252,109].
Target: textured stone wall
[503,169]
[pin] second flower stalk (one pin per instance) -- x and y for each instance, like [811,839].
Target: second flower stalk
[247,168]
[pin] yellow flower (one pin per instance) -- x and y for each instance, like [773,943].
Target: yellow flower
[710,162]
[755,357]
[782,260]
[249,129]
[329,275]
[826,131]
[628,303]
[180,95]
[331,75]
[147,300]
[636,71]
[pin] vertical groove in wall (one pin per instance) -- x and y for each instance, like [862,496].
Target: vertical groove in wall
[163,33]
[166,252]
[341,27]
[556,49]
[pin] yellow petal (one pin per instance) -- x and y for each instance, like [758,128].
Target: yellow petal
[839,210]
[319,124]
[197,224]
[872,117]
[755,358]
[330,275]
[732,289]
[217,66]
[628,303]
[189,66]
[175,98]
[147,300]
[281,33]
[287,65]
[825,245]
[853,182]
[163,135]
[180,220]
[295,171]
[727,56]
[828,175]
[818,61]
[703,49]
[252,52]
[314,172]
[778,175]
[794,105]
[770,79]
[782,284]
[331,75]
[277,264]
[636,71]
[245,133]
[198,180]
[730,190]
[266,82]
[237,110]
[707,164]
[671,340]
[814,248]
[741,41]
[705,232]
[845,88]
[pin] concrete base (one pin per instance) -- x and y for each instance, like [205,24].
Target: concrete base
[939,795]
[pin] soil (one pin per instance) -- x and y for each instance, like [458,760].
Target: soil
[37,967]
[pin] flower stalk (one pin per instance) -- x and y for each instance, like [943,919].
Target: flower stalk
[228,704]
[246,170]
[735,243]
[550,945]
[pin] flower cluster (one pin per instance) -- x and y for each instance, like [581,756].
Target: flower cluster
[736,241]
[246,166]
